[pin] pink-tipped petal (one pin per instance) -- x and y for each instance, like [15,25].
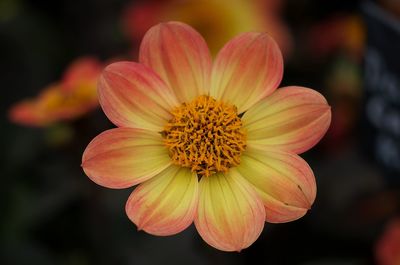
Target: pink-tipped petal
[166,204]
[132,95]
[293,119]
[247,69]
[230,215]
[123,157]
[283,180]
[279,212]
[180,56]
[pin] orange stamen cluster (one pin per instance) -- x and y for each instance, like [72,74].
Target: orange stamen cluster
[205,135]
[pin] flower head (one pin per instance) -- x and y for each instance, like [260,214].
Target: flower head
[214,143]
[74,96]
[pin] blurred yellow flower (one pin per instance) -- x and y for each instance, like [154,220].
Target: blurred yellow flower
[217,20]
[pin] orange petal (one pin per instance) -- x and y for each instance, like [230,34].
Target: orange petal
[28,113]
[248,68]
[166,204]
[230,215]
[180,56]
[48,107]
[123,157]
[132,95]
[82,72]
[283,180]
[293,119]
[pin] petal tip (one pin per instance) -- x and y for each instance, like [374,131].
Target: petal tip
[222,225]
[160,206]
[114,67]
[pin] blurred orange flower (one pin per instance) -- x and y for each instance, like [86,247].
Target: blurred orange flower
[217,20]
[387,251]
[70,98]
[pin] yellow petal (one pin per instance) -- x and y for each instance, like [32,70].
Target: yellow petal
[123,157]
[247,69]
[292,119]
[166,204]
[283,180]
[180,56]
[230,215]
[133,96]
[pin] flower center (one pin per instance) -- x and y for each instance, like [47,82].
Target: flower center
[205,135]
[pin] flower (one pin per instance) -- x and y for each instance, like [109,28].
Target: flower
[387,249]
[217,20]
[216,144]
[70,98]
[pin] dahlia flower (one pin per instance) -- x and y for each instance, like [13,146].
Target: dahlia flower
[211,143]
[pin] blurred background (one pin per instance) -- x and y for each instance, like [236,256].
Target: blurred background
[51,53]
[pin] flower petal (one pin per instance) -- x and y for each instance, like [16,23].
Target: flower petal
[247,69]
[230,215]
[283,180]
[166,204]
[293,119]
[51,105]
[132,95]
[123,157]
[29,113]
[180,56]
[82,72]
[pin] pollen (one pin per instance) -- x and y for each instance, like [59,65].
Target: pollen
[205,135]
